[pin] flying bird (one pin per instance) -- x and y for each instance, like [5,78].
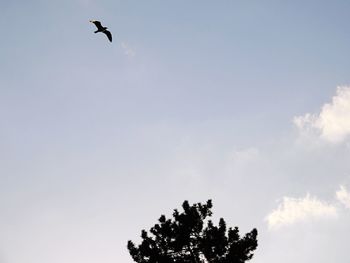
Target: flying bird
[102,29]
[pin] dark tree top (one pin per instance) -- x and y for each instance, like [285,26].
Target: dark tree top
[191,238]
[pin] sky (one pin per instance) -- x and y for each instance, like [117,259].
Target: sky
[246,103]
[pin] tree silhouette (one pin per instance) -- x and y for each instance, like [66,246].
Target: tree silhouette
[191,238]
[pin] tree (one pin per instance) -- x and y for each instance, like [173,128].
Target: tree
[191,238]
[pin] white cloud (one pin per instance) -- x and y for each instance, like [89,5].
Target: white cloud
[333,122]
[241,163]
[294,210]
[128,50]
[343,196]
[246,155]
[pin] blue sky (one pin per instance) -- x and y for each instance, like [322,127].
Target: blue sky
[243,102]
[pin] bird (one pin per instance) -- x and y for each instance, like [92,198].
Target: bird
[102,29]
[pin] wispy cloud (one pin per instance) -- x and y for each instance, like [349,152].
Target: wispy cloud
[245,155]
[343,196]
[130,52]
[332,124]
[294,210]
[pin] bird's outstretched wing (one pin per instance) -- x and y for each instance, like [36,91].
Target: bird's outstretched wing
[108,34]
[97,24]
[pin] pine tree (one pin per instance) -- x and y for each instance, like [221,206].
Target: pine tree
[190,237]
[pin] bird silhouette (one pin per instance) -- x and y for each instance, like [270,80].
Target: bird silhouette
[102,29]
